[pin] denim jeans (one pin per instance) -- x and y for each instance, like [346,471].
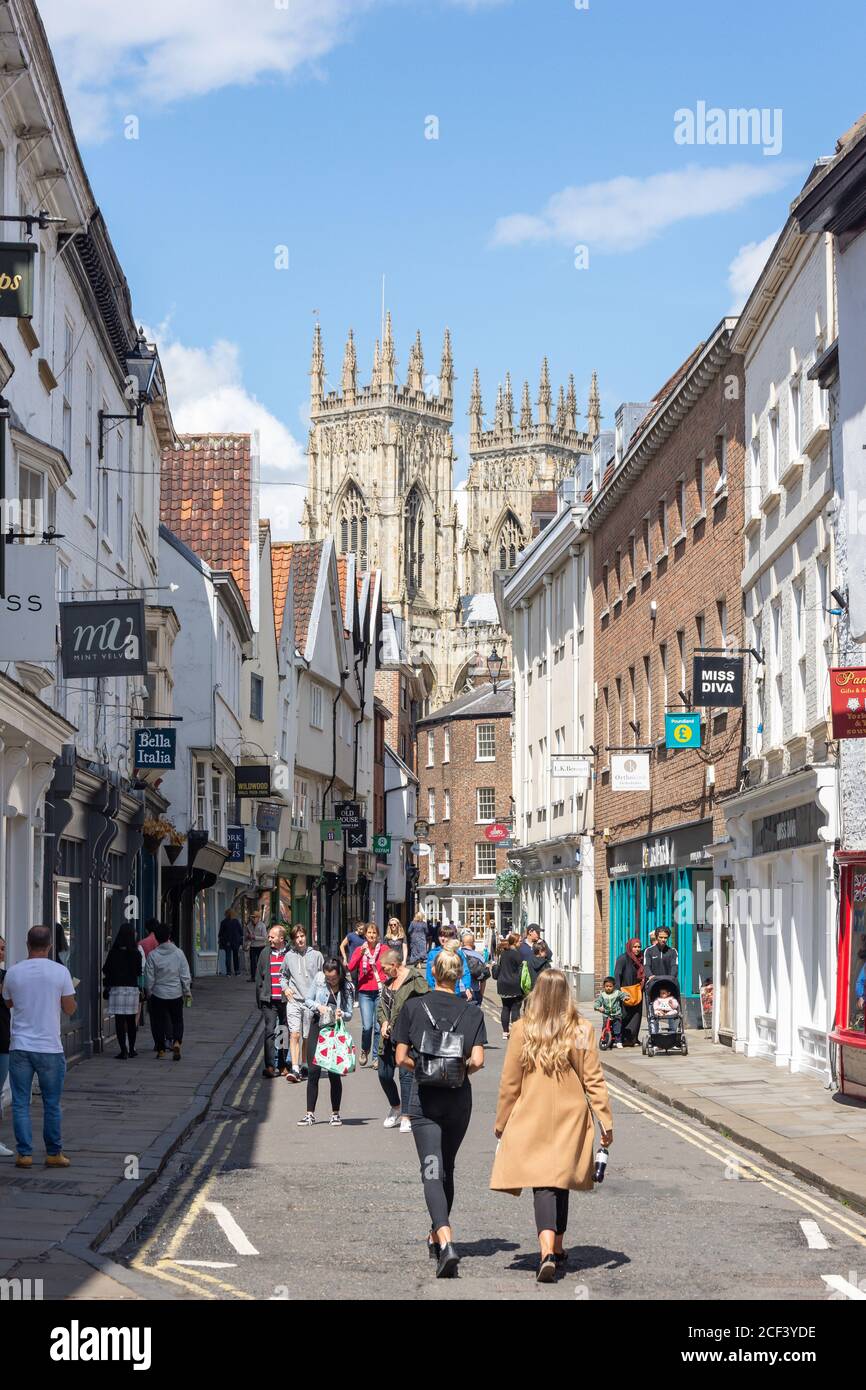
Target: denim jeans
[50,1067]
[387,1068]
[368,999]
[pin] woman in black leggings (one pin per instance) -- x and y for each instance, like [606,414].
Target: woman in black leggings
[440,1116]
[330,1001]
[506,973]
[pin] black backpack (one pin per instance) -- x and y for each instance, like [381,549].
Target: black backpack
[478,971]
[440,1057]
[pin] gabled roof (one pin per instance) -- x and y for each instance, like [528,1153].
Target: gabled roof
[306,561]
[481,703]
[206,500]
[264,532]
[281,566]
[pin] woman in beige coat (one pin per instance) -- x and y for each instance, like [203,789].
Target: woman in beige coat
[551,1086]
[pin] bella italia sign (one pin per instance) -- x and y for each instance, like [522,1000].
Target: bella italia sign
[103,638]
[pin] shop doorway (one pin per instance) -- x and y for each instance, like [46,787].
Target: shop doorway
[724,980]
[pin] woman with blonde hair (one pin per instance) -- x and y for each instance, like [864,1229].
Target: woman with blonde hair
[395,939]
[551,1086]
[440,1039]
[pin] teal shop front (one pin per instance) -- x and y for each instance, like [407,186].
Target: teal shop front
[665,881]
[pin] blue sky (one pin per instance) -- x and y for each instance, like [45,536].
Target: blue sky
[301,123]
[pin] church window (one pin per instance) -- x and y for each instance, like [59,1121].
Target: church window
[414,543]
[353,526]
[510,542]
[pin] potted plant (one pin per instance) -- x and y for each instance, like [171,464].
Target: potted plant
[175,844]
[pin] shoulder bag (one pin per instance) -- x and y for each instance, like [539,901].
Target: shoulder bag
[440,1057]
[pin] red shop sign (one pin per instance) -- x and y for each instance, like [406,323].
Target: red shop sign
[848,701]
[496,833]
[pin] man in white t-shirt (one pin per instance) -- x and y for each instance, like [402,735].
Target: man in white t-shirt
[38,990]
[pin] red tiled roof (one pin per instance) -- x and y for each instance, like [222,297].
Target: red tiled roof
[343,577]
[206,500]
[669,387]
[306,559]
[281,567]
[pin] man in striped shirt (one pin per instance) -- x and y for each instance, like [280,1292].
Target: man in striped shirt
[269,997]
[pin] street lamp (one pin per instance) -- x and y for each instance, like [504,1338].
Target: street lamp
[140,362]
[495,664]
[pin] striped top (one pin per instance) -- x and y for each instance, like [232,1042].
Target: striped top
[276,966]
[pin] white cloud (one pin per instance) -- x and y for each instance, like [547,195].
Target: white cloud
[745,268]
[625,213]
[206,392]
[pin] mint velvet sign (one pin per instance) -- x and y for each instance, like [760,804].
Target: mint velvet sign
[103,638]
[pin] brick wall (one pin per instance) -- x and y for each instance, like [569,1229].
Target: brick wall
[701,570]
[398,729]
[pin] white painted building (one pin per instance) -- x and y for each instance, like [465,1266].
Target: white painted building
[774,994]
[546,604]
[401,812]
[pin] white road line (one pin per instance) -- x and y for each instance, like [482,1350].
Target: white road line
[206,1264]
[815,1238]
[835,1281]
[231,1228]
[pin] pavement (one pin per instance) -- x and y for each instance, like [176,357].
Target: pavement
[122,1121]
[792,1119]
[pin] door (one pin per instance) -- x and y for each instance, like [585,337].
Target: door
[724,979]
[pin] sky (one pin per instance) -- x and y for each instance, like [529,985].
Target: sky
[530,173]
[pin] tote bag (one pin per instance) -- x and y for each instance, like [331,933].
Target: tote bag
[335,1050]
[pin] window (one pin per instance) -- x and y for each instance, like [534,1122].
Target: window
[103,504]
[446,745]
[67,375]
[403,747]
[699,483]
[620,720]
[758,685]
[722,460]
[31,493]
[632,693]
[604,584]
[821,405]
[778,674]
[485,805]
[352,519]
[431,806]
[316,718]
[681,654]
[257,697]
[431,747]
[663,525]
[605,694]
[120,483]
[485,860]
[201,816]
[446,808]
[699,632]
[88,437]
[753,482]
[414,543]
[617,569]
[510,542]
[798,657]
[773,450]
[648,687]
[823,633]
[681,506]
[216,808]
[485,743]
[402,692]
[632,559]
[663,663]
[265,844]
[647,542]
[299,804]
[722,613]
[795,422]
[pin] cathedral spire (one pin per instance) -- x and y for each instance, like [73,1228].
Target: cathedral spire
[389,357]
[498,413]
[508,416]
[571,406]
[317,369]
[544,396]
[525,408]
[446,370]
[593,412]
[559,424]
[416,364]
[350,369]
[377,367]
[476,409]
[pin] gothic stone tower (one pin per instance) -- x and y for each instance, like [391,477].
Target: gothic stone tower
[510,464]
[380,483]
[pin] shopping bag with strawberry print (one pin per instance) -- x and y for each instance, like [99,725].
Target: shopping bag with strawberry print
[335,1050]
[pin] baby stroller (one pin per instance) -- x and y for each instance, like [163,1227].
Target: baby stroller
[663,1034]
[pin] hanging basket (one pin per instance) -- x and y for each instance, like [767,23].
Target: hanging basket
[152,843]
[172,851]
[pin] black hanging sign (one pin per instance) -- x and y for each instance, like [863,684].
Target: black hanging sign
[235,840]
[16,279]
[103,637]
[356,836]
[253,780]
[717,682]
[155,748]
[348,813]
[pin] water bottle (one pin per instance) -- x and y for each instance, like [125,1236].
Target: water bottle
[600,1164]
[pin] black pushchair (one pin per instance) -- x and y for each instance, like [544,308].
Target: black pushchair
[663,1034]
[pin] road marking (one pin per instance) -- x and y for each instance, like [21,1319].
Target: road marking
[232,1230]
[815,1238]
[842,1286]
[847,1225]
[206,1264]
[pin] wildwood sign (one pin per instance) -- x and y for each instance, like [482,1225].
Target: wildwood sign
[253,780]
[103,638]
[16,279]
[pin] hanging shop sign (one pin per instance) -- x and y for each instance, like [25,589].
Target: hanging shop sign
[348,812]
[268,815]
[656,854]
[572,765]
[381,844]
[103,637]
[848,701]
[496,833]
[28,613]
[786,829]
[16,279]
[356,835]
[629,772]
[253,780]
[331,831]
[155,748]
[682,731]
[717,681]
[235,841]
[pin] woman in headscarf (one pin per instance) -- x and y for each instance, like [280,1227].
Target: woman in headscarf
[628,975]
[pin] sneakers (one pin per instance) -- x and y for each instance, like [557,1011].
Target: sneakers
[335,1120]
[505,1037]
[176,1050]
[308,1119]
[132,1052]
[294,1074]
[160,1056]
[56,1161]
[363,1059]
[405,1125]
[4,1152]
[392,1119]
[23,1161]
[617,1044]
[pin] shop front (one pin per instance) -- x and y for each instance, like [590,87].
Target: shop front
[666,880]
[849,1029]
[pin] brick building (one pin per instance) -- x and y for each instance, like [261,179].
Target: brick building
[464,769]
[667,533]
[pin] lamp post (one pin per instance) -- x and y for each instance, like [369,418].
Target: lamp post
[140,363]
[495,664]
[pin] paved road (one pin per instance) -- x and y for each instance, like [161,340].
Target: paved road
[328,1209]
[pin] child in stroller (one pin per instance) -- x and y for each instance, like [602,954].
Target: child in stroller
[665,1029]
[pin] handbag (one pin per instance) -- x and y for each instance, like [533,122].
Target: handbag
[633,994]
[335,1049]
[440,1057]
